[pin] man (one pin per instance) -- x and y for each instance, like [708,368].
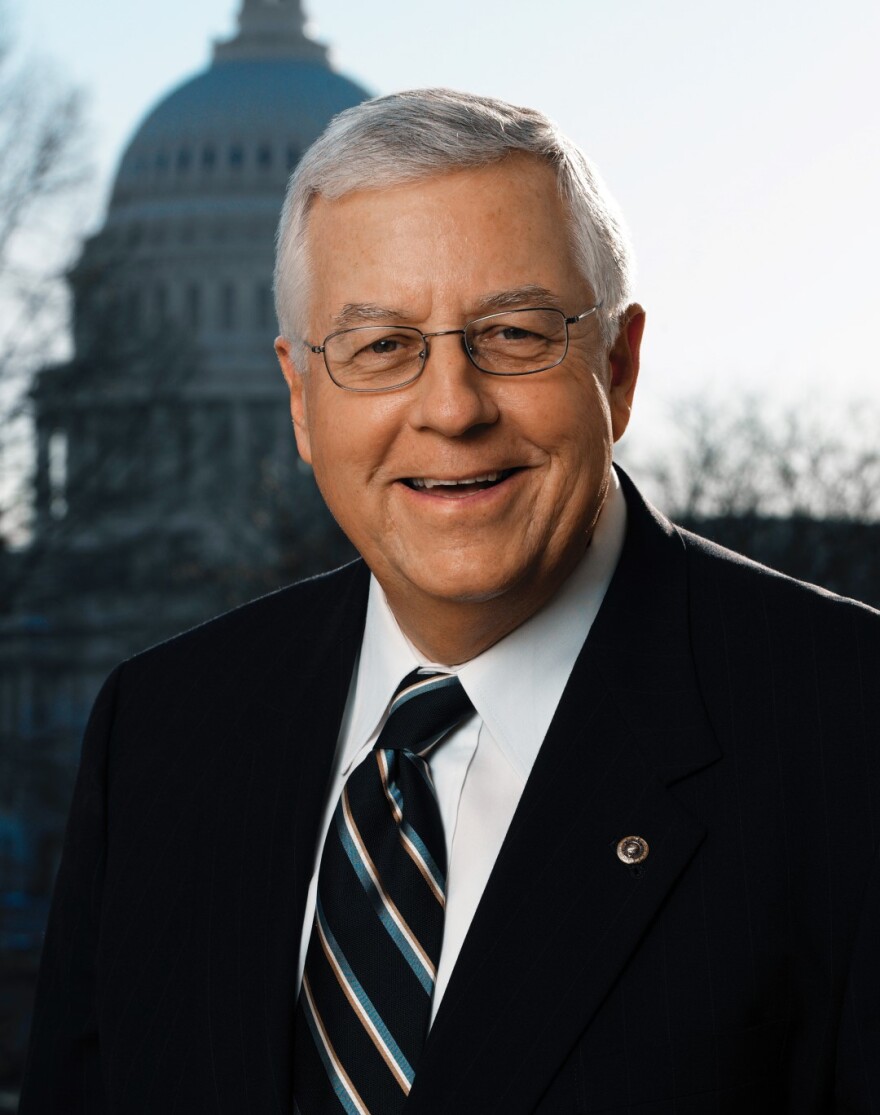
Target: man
[641,847]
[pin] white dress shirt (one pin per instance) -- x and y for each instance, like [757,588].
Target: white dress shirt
[481,768]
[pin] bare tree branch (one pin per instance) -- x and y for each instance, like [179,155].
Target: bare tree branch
[43,175]
[748,458]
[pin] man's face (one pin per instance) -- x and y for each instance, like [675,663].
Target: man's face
[436,254]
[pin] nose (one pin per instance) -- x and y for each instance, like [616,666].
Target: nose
[451,396]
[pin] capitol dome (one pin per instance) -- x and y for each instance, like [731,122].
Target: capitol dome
[170,422]
[241,125]
[191,221]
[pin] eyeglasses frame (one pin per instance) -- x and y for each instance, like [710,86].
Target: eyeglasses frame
[320,350]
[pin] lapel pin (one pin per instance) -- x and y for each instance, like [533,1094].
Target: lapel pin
[632,850]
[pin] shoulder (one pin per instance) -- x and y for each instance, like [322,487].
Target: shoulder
[723,584]
[750,585]
[290,625]
[805,646]
[249,674]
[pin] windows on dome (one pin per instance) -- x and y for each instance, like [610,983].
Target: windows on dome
[236,156]
[264,156]
[209,157]
[184,158]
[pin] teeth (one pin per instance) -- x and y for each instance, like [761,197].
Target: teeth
[428,482]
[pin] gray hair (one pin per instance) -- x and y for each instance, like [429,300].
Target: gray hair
[424,132]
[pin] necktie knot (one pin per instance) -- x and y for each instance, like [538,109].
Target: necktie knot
[423,710]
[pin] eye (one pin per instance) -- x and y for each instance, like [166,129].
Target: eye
[384,346]
[518,329]
[517,333]
[506,334]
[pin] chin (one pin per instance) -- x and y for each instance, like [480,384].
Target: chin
[470,587]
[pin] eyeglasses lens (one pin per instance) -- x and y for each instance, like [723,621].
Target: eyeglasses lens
[517,342]
[375,358]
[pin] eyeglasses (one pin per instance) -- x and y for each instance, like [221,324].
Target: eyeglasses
[371,358]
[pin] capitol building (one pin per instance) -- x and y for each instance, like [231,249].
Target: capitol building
[167,483]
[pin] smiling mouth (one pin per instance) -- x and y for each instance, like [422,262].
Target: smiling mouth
[458,487]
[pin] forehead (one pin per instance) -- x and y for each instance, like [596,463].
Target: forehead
[441,243]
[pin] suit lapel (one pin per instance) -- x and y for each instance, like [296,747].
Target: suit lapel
[317,707]
[300,708]
[266,815]
[561,914]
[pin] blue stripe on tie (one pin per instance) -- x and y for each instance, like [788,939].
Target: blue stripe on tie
[406,950]
[333,1076]
[364,999]
[425,685]
[425,771]
[428,859]
[393,788]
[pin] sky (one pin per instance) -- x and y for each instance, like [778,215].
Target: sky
[740,140]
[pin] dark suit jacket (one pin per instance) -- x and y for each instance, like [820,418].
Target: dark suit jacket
[727,715]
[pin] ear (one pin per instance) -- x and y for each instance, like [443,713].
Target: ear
[623,363]
[296,385]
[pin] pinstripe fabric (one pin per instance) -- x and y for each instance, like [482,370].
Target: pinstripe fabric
[725,713]
[364,1007]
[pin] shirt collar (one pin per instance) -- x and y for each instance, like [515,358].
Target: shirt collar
[540,654]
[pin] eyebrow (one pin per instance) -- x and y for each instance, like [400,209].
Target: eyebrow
[519,297]
[365,313]
[369,313]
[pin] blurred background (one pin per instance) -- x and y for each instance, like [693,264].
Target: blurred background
[148,477]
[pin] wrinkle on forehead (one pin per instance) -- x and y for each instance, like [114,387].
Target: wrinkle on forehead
[438,253]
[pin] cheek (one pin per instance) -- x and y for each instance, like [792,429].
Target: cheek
[573,427]
[349,444]
[583,454]
[331,452]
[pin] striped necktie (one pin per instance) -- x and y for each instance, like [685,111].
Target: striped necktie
[365,1004]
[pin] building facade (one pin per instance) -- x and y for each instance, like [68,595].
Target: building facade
[167,484]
